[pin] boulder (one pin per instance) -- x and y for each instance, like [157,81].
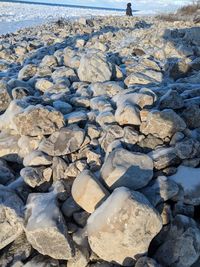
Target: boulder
[27,72]
[162,123]
[63,142]
[87,191]
[12,216]
[5,98]
[127,114]
[124,168]
[123,227]
[37,158]
[45,229]
[38,120]
[94,68]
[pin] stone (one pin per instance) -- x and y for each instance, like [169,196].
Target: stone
[36,176]
[20,93]
[124,168]
[49,61]
[69,207]
[43,85]
[146,262]
[191,116]
[12,216]
[27,72]
[66,141]
[80,259]
[38,120]
[160,190]
[37,158]
[162,124]
[172,100]
[19,249]
[187,149]
[6,173]
[164,157]
[94,68]
[41,261]
[62,106]
[87,191]
[127,114]
[45,229]
[105,88]
[124,214]
[181,248]
[59,167]
[76,117]
[145,78]
[5,98]
[188,179]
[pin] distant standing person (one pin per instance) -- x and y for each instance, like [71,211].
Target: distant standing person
[129,10]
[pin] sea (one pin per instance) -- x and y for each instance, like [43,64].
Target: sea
[15,15]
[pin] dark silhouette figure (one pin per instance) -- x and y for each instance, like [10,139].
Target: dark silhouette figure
[129,10]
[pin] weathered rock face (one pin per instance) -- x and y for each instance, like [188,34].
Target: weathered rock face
[11,214]
[124,214]
[37,158]
[87,191]
[182,245]
[162,123]
[5,98]
[124,168]
[45,228]
[65,141]
[94,68]
[27,72]
[38,120]
[127,114]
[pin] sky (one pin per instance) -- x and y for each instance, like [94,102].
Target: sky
[163,5]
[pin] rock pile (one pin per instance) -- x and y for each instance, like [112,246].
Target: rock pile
[100,144]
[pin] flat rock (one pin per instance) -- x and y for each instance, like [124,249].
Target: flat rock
[189,179]
[37,158]
[124,168]
[124,214]
[63,142]
[87,191]
[127,114]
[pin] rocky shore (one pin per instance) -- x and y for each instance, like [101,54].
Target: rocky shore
[100,144]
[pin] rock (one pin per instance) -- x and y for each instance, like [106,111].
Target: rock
[191,116]
[62,106]
[187,149]
[160,190]
[69,207]
[76,117]
[19,249]
[80,259]
[63,142]
[38,120]
[37,158]
[36,176]
[81,218]
[162,123]
[87,191]
[12,216]
[45,229]
[20,92]
[172,100]
[106,226]
[188,179]
[49,61]
[146,262]
[41,261]
[164,157]
[178,68]
[181,208]
[6,173]
[5,98]
[59,167]
[124,168]
[105,88]
[43,85]
[181,247]
[94,68]
[127,114]
[145,78]
[27,72]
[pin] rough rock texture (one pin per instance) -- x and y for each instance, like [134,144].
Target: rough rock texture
[133,216]
[124,168]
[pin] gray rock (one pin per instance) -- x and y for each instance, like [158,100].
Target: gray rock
[146,262]
[37,158]
[63,142]
[181,247]
[69,207]
[38,120]
[172,99]
[162,123]
[36,176]
[124,214]
[45,229]
[27,72]
[59,167]
[5,98]
[41,261]
[187,149]
[6,173]
[11,214]
[124,168]
[94,68]
[191,116]
[160,190]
